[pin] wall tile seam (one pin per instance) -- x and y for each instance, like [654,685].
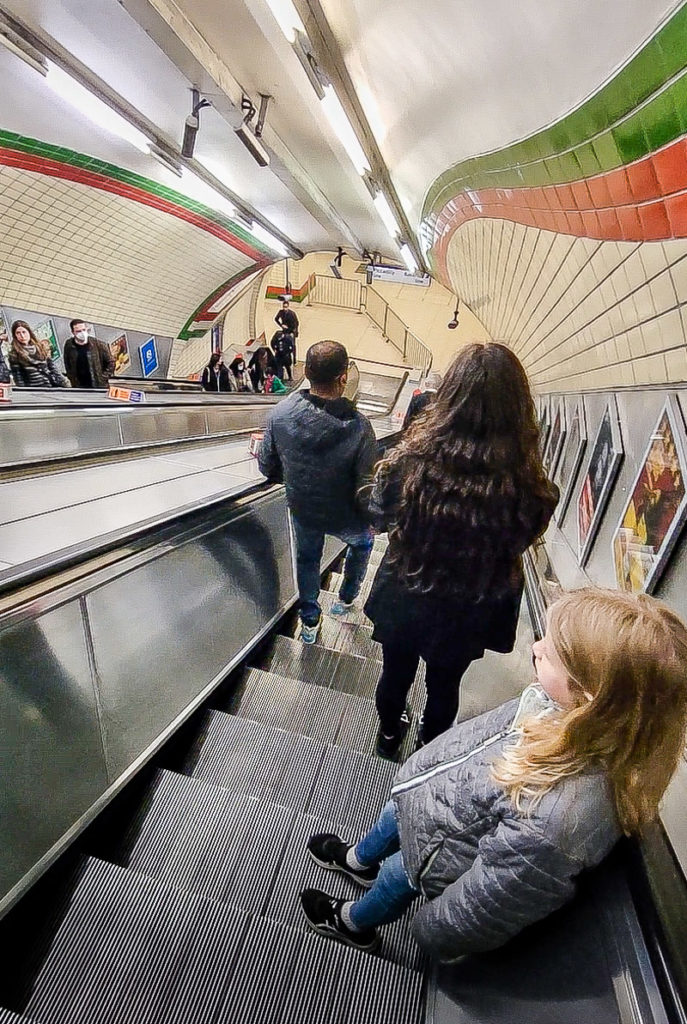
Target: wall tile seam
[504,305]
[616,362]
[657,358]
[551,283]
[588,294]
[507,326]
[608,309]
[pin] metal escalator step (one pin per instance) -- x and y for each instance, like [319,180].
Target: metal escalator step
[129,949]
[310,710]
[335,583]
[7,1017]
[287,976]
[338,634]
[351,788]
[381,543]
[356,615]
[315,664]
[298,871]
[343,719]
[258,760]
[204,839]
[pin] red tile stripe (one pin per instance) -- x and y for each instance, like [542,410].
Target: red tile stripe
[56,169]
[644,201]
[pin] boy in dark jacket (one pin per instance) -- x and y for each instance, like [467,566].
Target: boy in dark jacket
[324,451]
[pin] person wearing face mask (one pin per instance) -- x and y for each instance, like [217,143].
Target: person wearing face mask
[238,368]
[88,361]
[30,360]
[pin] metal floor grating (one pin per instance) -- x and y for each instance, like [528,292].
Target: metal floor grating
[298,871]
[7,1017]
[168,957]
[341,718]
[339,634]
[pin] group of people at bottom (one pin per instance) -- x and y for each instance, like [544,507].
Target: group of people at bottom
[267,368]
[492,819]
[88,362]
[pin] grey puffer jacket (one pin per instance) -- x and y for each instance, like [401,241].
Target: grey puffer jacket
[487,869]
[324,451]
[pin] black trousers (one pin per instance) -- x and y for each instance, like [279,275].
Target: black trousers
[442,683]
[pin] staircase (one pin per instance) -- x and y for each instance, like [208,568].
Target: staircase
[194,915]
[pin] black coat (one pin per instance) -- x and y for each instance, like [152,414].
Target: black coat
[217,381]
[418,404]
[437,625]
[4,369]
[100,362]
[38,373]
[288,319]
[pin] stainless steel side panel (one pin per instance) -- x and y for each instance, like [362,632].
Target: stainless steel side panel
[161,633]
[147,426]
[37,434]
[238,418]
[51,756]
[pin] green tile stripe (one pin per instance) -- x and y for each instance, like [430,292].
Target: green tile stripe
[640,109]
[187,332]
[36,148]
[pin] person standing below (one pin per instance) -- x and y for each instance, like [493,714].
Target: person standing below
[324,450]
[261,360]
[238,368]
[88,362]
[288,321]
[462,497]
[420,400]
[30,361]
[273,384]
[282,345]
[216,376]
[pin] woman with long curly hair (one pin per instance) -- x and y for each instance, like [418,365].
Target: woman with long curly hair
[462,497]
[30,361]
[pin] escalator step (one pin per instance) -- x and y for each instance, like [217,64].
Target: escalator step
[338,634]
[227,847]
[204,839]
[329,715]
[315,711]
[7,1017]
[287,976]
[356,615]
[315,664]
[335,583]
[298,871]
[294,771]
[129,949]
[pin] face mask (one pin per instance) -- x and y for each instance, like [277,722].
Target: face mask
[81,336]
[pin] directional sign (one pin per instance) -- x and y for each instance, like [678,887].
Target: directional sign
[148,355]
[126,395]
[396,275]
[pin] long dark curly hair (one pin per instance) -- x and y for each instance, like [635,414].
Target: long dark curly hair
[473,493]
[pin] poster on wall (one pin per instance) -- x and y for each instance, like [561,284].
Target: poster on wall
[544,424]
[573,449]
[147,353]
[120,353]
[556,437]
[655,512]
[607,454]
[46,332]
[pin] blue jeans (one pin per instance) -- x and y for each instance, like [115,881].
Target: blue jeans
[309,545]
[392,893]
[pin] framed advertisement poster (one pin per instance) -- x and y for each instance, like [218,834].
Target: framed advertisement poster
[573,450]
[46,332]
[556,436]
[604,463]
[120,353]
[544,423]
[656,509]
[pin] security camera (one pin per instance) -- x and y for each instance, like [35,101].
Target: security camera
[452,324]
[254,147]
[191,125]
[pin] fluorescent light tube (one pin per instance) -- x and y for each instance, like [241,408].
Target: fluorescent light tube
[385,212]
[20,48]
[88,104]
[196,188]
[408,258]
[287,18]
[269,240]
[336,115]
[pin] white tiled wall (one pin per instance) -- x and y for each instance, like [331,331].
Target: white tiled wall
[69,246]
[580,313]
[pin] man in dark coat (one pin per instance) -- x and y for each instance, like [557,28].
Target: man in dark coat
[421,399]
[88,362]
[288,321]
[324,451]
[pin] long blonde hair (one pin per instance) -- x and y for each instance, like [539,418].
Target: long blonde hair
[626,658]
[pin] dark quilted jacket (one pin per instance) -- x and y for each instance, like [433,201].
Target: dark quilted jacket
[488,869]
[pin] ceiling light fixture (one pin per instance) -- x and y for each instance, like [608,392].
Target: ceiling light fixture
[287,18]
[21,48]
[195,188]
[408,258]
[95,109]
[386,213]
[336,115]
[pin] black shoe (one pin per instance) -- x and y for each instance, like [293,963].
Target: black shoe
[388,746]
[323,914]
[329,852]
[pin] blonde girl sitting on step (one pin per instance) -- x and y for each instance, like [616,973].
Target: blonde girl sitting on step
[494,819]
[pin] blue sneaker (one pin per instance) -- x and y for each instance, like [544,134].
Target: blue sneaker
[309,634]
[341,607]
